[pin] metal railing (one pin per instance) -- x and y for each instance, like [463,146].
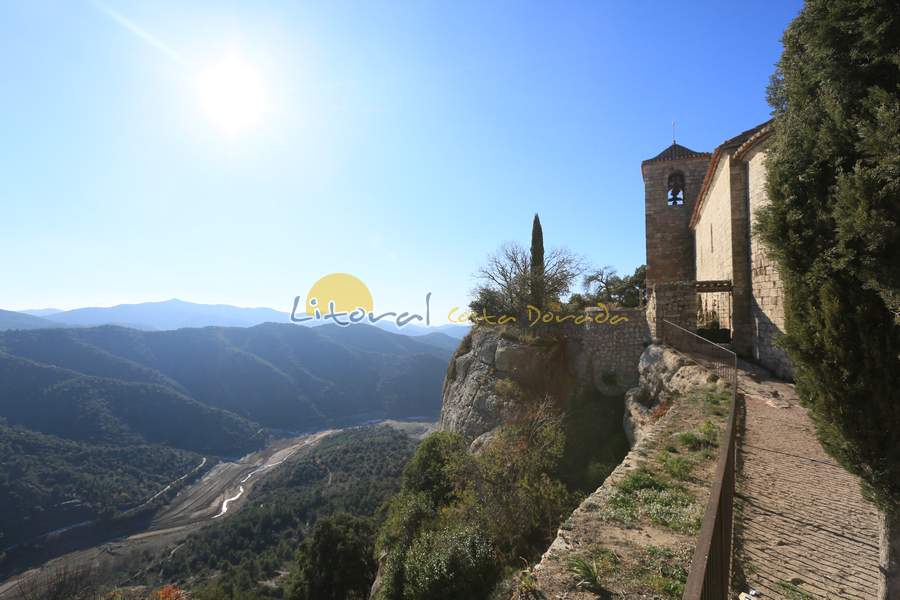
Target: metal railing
[710,573]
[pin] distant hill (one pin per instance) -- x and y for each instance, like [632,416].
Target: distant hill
[17,320]
[278,375]
[178,314]
[98,410]
[457,332]
[439,340]
[48,482]
[41,312]
[171,314]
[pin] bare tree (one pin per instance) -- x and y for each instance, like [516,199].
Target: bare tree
[561,269]
[507,273]
[506,279]
[597,282]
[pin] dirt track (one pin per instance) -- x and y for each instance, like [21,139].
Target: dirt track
[193,507]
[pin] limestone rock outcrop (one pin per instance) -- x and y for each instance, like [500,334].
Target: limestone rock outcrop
[663,376]
[496,370]
[488,377]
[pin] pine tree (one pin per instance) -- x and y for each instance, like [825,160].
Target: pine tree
[537,263]
[834,225]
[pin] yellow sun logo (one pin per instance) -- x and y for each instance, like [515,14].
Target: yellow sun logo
[346,292]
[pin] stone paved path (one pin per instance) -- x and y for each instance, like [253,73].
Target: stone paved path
[802,525]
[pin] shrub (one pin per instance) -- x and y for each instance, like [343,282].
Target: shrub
[434,467]
[453,563]
[668,572]
[641,479]
[454,506]
[508,389]
[832,226]
[335,561]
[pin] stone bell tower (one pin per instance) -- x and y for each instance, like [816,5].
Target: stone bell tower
[672,181]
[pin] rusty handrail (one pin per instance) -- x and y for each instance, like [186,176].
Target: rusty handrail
[710,573]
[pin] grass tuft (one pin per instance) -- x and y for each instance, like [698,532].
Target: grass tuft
[645,494]
[589,571]
[676,467]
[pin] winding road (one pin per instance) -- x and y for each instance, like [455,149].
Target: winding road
[218,492]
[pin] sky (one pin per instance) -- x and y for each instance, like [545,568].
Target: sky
[237,151]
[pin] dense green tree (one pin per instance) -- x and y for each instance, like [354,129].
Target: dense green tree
[461,518]
[450,564]
[834,185]
[336,561]
[434,465]
[537,263]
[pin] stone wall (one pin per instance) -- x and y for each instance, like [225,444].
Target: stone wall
[721,237]
[712,234]
[608,349]
[675,302]
[767,304]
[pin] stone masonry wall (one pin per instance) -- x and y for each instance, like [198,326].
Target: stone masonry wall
[741,338]
[670,243]
[675,302]
[712,235]
[720,237]
[609,349]
[767,303]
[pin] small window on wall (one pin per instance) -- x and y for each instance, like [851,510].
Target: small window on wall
[675,185]
[711,247]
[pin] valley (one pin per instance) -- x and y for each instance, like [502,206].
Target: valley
[220,493]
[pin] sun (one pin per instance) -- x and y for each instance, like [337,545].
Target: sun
[232,94]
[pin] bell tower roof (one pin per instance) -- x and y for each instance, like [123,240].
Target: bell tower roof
[676,152]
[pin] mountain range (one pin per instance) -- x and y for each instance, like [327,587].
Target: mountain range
[93,418]
[113,383]
[178,314]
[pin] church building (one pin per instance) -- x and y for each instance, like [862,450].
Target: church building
[707,270]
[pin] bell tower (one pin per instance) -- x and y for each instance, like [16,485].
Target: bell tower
[672,181]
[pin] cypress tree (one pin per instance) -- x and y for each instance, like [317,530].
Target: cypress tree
[537,263]
[833,225]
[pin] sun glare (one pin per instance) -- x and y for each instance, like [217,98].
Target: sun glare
[232,94]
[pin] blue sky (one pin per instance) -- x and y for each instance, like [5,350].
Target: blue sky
[401,142]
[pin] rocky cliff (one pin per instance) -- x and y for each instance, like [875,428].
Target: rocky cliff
[489,376]
[497,372]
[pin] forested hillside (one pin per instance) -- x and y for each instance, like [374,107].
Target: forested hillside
[48,482]
[280,376]
[314,522]
[95,419]
[99,410]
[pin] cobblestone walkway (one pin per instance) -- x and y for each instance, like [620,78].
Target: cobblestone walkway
[803,529]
